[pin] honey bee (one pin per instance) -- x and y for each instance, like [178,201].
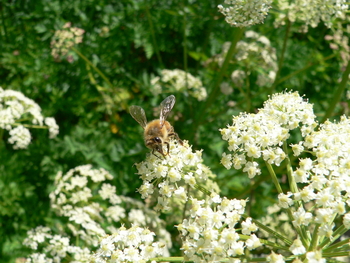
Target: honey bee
[157,132]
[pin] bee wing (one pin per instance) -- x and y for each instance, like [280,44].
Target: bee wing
[139,115]
[165,108]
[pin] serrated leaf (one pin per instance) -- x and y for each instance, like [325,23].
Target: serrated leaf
[148,50]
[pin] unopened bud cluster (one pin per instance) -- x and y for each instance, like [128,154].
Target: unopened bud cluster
[177,80]
[64,40]
[245,13]
[310,12]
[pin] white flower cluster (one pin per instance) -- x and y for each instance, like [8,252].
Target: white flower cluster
[72,198]
[326,177]
[290,110]
[320,203]
[210,235]
[238,77]
[20,137]
[93,208]
[310,12]
[244,13]
[15,108]
[171,175]
[257,48]
[128,245]
[56,246]
[177,80]
[263,134]
[65,39]
[254,50]
[14,105]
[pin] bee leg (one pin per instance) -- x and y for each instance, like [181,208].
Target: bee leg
[174,134]
[155,154]
[168,148]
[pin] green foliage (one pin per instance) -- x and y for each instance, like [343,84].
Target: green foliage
[130,42]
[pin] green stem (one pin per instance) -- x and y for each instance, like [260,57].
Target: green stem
[337,233]
[315,238]
[253,260]
[337,245]
[31,126]
[286,240]
[281,59]
[4,25]
[247,94]
[215,91]
[202,189]
[154,39]
[338,93]
[336,254]
[168,259]
[251,188]
[181,259]
[216,88]
[292,184]
[274,178]
[185,47]
[185,51]
[185,208]
[93,66]
[265,242]
[300,231]
[309,65]
[294,188]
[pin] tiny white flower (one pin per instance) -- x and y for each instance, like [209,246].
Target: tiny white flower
[275,258]
[297,247]
[324,215]
[253,242]
[301,175]
[297,148]
[301,217]
[315,257]
[237,248]
[252,169]
[248,227]
[346,220]
[226,160]
[326,230]
[180,193]
[284,200]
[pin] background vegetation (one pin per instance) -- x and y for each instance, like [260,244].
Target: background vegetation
[130,42]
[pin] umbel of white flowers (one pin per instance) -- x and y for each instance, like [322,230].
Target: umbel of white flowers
[15,109]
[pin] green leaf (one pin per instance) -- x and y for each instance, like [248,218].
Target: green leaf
[40,28]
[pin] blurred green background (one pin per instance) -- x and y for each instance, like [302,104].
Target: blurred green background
[130,42]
